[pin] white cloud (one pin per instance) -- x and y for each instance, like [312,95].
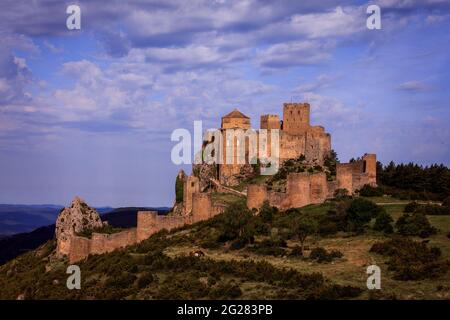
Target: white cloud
[340,22]
[414,86]
[294,54]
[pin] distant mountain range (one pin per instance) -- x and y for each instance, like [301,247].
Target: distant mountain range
[18,218]
[40,219]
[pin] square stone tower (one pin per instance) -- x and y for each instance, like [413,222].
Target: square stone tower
[296,118]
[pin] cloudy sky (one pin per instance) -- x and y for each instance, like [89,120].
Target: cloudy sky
[90,112]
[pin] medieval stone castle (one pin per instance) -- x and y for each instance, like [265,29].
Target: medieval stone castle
[297,138]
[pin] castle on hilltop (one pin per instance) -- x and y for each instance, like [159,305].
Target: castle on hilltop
[295,139]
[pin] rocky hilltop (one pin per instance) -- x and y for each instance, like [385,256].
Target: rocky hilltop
[73,220]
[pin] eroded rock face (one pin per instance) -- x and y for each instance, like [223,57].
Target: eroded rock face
[204,172]
[72,220]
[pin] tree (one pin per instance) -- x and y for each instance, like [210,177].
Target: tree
[179,189]
[360,212]
[235,222]
[304,227]
[266,212]
[330,162]
[341,193]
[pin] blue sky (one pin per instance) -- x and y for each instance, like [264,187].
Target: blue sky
[90,112]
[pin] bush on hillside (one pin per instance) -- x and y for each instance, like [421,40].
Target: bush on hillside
[411,260]
[414,224]
[383,222]
[411,207]
[369,191]
[321,255]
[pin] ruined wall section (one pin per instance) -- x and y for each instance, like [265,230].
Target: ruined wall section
[302,189]
[79,249]
[354,175]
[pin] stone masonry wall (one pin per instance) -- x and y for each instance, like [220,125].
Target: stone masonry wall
[201,206]
[302,189]
[148,223]
[319,188]
[354,175]
[256,195]
[305,188]
[299,189]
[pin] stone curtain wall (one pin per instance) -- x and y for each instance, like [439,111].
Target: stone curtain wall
[304,188]
[148,223]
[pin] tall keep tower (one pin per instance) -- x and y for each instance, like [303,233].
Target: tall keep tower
[296,118]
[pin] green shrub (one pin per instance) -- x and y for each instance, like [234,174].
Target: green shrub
[335,292]
[433,209]
[321,255]
[210,244]
[341,194]
[144,280]
[107,229]
[270,247]
[383,222]
[234,223]
[240,243]
[414,224]
[411,207]
[296,252]
[369,191]
[334,220]
[266,212]
[228,290]
[179,190]
[411,260]
[123,281]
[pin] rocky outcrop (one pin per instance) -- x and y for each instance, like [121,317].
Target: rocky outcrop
[204,172]
[73,220]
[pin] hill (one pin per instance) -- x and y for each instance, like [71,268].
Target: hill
[18,218]
[259,257]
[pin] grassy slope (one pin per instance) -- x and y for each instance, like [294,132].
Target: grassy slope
[114,275]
